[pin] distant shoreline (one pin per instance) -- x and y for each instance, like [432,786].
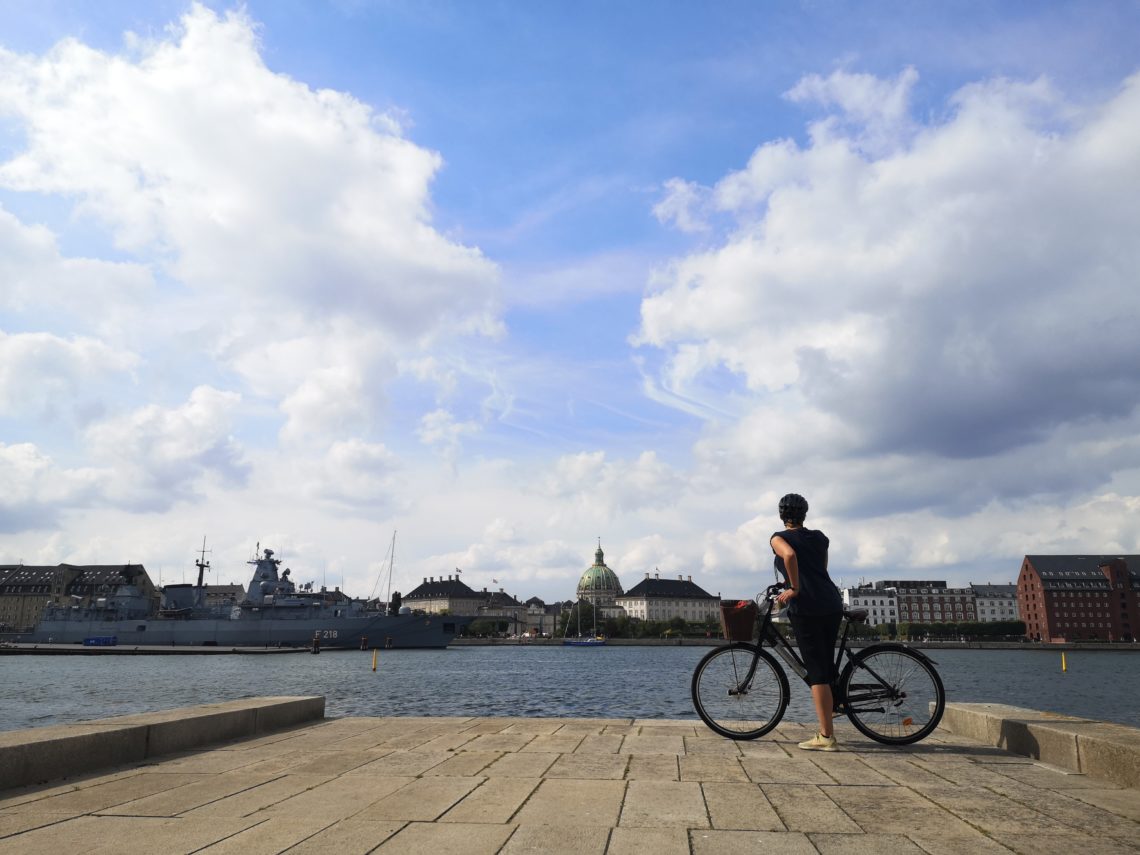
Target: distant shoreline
[1096,647]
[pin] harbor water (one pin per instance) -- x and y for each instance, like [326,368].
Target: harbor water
[522,680]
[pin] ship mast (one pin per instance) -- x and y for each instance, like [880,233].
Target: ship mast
[203,565]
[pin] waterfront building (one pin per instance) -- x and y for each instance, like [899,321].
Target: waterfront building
[600,587]
[1079,597]
[450,595]
[995,602]
[541,619]
[654,598]
[881,603]
[26,589]
[502,606]
[931,601]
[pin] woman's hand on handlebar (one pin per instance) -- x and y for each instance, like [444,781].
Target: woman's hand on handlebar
[786,595]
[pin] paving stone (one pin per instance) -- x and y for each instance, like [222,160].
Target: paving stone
[594,766]
[711,745]
[421,800]
[664,804]
[759,748]
[1121,802]
[348,837]
[500,742]
[100,796]
[554,744]
[1063,844]
[254,799]
[557,840]
[990,811]
[892,810]
[494,800]
[901,771]
[962,841]
[572,802]
[107,835]
[172,802]
[653,767]
[520,765]
[465,763]
[674,744]
[740,806]
[1060,805]
[402,763]
[648,841]
[607,743]
[864,844]
[711,767]
[534,726]
[805,807]
[847,768]
[751,843]
[656,727]
[339,798]
[786,770]
[451,741]
[269,837]
[447,839]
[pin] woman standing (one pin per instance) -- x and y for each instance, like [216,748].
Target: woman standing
[814,606]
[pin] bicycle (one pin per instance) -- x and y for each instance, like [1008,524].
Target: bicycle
[891,693]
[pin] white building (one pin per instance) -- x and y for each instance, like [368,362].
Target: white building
[996,602]
[880,603]
[654,598]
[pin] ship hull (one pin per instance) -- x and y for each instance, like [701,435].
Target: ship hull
[357,632]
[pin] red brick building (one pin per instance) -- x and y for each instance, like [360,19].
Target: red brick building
[1080,597]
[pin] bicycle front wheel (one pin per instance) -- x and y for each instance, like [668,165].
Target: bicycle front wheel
[893,694]
[734,704]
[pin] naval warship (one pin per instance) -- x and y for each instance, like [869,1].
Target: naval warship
[273,612]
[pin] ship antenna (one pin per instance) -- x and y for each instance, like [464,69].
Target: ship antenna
[203,565]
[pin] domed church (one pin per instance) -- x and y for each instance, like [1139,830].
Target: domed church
[599,585]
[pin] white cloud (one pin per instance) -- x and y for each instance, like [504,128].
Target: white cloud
[42,375]
[241,180]
[361,476]
[34,489]
[601,489]
[161,455]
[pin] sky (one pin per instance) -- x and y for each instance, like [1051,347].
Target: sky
[504,280]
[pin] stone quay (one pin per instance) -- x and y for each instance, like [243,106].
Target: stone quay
[270,775]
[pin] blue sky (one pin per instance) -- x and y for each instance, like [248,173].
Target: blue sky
[508,277]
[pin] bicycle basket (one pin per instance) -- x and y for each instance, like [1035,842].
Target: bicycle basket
[738,619]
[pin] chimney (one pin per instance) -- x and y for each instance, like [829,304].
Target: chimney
[680,578]
[690,578]
[425,580]
[656,575]
[646,574]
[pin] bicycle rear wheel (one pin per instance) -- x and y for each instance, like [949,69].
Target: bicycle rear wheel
[893,694]
[732,707]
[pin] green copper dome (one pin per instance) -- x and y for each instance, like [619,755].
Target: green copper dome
[599,581]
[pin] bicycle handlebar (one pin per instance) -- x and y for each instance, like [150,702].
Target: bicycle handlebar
[772,590]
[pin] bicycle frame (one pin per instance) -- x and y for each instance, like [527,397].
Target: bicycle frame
[769,633]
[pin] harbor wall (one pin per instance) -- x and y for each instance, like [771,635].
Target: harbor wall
[43,754]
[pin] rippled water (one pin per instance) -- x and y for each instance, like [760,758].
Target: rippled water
[621,682]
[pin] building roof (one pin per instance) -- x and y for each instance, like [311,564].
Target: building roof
[1081,571]
[677,589]
[449,588]
[87,575]
[599,578]
[994,590]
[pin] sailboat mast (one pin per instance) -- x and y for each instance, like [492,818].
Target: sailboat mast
[391,565]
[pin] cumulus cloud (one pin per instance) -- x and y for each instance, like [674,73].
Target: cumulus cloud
[589,482]
[35,275]
[241,180]
[34,490]
[161,455]
[42,374]
[946,315]
[358,475]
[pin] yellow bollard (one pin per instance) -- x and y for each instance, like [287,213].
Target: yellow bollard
[1063,666]
[374,652]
